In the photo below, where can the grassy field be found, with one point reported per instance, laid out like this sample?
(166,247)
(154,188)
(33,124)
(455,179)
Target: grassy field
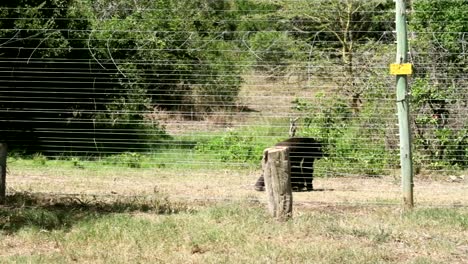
(125,215)
(186,206)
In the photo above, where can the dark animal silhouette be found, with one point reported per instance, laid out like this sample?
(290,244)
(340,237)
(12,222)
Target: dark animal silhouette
(302,154)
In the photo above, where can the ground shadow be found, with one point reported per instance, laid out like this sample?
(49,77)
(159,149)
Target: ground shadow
(315,190)
(323,190)
(52,212)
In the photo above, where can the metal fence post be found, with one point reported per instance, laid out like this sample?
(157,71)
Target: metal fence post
(403,104)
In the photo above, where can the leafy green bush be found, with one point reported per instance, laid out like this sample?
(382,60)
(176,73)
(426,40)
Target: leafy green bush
(272,50)
(439,95)
(137,54)
(355,143)
(232,147)
(440,133)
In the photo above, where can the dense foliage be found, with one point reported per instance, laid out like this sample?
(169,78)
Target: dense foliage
(439,90)
(95,70)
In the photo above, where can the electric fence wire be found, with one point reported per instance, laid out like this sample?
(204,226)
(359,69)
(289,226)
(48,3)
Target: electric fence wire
(150,88)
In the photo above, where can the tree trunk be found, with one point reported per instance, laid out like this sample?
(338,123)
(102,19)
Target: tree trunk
(3,161)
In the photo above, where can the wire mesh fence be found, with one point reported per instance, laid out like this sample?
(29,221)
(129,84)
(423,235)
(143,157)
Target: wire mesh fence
(138,97)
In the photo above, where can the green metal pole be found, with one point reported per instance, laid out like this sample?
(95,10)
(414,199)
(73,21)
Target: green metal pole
(406,158)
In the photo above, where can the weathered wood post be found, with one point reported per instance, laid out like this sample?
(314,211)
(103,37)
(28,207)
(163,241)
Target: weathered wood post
(3,161)
(276,171)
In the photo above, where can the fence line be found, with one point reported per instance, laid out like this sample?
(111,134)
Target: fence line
(209,86)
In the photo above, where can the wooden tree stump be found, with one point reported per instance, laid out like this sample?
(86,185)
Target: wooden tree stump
(3,161)
(276,172)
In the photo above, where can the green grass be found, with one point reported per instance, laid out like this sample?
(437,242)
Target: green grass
(41,230)
(153,228)
(241,147)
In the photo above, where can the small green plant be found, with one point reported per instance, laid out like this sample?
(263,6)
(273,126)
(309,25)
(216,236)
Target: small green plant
(39,159)
(128,159)
(132,159)
(78,163)
(232,146)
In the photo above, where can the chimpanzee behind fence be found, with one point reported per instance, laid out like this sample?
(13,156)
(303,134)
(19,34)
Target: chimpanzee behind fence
(302,154)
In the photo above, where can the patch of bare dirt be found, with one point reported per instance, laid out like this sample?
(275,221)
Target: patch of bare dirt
(14,246)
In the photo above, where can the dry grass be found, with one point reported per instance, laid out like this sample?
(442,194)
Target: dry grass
(13,245)
(214,216)
(59,214)
(260,101)
(214,184)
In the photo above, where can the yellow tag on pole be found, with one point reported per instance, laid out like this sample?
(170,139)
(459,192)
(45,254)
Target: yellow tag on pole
(401,69)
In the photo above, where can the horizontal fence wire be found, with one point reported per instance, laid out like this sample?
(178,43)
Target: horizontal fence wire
(133,90)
